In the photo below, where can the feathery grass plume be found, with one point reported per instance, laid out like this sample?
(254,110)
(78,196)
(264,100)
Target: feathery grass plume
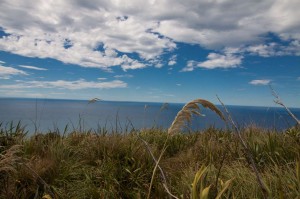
(185,114)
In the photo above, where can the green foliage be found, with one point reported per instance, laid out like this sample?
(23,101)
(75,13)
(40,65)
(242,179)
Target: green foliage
(103,165)
(201,189)
(198,188)
(11,134)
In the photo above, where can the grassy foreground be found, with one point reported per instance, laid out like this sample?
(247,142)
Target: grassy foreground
(100,165)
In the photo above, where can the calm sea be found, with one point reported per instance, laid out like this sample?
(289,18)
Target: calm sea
(49,114)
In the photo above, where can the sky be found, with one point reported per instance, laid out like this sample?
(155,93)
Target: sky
(151,50)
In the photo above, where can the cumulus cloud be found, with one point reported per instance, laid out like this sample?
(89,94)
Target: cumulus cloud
(76,54)
(224,23)
(172,60)
(32,67)
(221,61)
(264,50)
(6,72)
(190,66)
(62,84)
(231,57)
(98,33)
(131,64)
(271,49)
(260,82)
(73,33)
(215,60)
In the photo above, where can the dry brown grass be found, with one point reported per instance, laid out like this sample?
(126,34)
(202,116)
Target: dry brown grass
(9,159)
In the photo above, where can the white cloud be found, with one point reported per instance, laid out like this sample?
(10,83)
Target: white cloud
(215,60)
(172,60)
(62,84)
(97,33)
(293,48)
(225,23)
(190,66)
(264,50)
(123,76)
(260,82)
(102,78)
(131,64)
(272,49)
(20,93)
(221,61)
(78,54)
(7,72)
(73,32)
(158,65)
(32,67)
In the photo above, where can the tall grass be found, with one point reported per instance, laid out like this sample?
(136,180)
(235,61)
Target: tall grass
(96,164)
(91,165)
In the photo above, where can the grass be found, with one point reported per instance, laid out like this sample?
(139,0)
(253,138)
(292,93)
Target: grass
(95,165)
(151,163)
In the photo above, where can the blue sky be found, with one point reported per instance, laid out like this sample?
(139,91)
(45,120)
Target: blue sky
(152,51)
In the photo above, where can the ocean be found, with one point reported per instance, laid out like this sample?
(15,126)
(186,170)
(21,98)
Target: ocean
(44,115)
